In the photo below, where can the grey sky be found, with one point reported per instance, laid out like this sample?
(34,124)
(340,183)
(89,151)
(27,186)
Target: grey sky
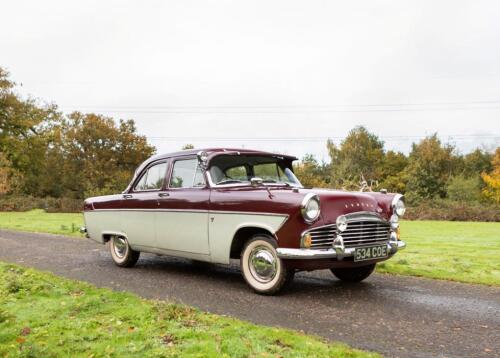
(302,70)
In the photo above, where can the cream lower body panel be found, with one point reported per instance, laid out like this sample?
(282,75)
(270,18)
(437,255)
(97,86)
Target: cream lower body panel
(98,223)
(205,236)
(223,226)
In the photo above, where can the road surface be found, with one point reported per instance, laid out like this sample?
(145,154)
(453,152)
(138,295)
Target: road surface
(394,315)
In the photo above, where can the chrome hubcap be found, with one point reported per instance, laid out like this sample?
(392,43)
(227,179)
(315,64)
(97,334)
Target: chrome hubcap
(262,264)
(120,246)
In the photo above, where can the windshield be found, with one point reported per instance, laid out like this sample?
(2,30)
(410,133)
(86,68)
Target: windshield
(235,169)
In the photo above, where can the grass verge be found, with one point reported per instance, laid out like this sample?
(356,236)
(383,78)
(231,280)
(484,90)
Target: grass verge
(40,221)
(450,250)
(42,315)
(458,251)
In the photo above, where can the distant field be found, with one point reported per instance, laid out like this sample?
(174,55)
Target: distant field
(458,251)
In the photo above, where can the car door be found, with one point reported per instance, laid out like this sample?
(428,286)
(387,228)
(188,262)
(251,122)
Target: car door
(139,205)
(182,218)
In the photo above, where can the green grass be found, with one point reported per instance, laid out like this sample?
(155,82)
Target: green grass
(42,315)
(459,251)
(40,221)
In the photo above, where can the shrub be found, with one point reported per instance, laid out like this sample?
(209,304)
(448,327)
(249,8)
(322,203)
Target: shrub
(464,189)
(453,211)
(26,203)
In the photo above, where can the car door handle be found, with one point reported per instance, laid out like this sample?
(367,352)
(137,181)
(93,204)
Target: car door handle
(127,196)
(163,195)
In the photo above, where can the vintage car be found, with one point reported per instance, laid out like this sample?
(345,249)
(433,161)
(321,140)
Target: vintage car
(219,204)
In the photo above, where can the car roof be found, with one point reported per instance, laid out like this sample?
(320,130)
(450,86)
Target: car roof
(215,151)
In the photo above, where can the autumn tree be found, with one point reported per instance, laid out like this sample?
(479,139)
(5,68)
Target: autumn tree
(311,173)
(492,180)
(25,133)
(99,156)
(429,168)
(358,157)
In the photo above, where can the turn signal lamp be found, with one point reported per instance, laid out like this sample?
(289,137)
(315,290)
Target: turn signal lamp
(306,241)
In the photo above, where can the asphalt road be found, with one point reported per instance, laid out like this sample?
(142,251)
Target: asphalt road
(396,316)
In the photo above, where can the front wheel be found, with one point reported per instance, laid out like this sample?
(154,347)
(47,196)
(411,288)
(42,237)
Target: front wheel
(121,252)
(353,274)
(261,267)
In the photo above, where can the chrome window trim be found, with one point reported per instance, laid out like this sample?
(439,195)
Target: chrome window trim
(171,172)
(135,181)
(245,184)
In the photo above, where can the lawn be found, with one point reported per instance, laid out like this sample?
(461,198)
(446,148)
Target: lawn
(40,221)
(42,315)
(459,251)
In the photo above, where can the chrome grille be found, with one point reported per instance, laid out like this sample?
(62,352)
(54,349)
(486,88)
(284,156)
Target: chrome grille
(358,233)
(363,233)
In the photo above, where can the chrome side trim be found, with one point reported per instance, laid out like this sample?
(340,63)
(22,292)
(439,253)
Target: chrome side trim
(198,211)
(286,253)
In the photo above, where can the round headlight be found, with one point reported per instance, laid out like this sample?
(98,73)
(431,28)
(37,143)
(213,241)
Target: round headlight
(341,223)
(398,205)
(310,207)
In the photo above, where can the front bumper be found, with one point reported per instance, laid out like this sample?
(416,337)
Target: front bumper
(332,253)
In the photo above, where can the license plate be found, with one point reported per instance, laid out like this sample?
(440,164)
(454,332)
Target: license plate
(370,253)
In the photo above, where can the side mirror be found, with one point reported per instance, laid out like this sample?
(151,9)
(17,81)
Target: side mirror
(256,181)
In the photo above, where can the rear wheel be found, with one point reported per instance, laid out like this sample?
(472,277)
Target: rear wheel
(353,274)
(261,267)
(121,252)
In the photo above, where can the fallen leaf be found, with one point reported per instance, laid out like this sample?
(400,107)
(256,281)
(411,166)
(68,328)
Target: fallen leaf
(130,329)
(25,331)
(487,350)
(20,340)
(167,340)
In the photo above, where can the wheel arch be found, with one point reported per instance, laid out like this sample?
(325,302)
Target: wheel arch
(107,235)
(245,233)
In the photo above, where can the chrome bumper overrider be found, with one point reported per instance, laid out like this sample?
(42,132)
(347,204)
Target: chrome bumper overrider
(285,253)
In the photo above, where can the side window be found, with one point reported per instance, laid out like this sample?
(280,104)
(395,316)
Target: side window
(237,173)
(187,174)
(152,179)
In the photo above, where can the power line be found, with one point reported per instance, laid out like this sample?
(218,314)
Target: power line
(313,139)
(270,109)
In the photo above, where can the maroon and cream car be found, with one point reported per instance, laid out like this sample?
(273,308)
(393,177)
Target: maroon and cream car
(220,204)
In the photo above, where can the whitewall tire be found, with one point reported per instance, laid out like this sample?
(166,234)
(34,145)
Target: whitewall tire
(261,267)
(122,253)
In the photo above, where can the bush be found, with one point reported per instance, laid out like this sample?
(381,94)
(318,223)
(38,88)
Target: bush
(464,189)
(453,211)
(53,205)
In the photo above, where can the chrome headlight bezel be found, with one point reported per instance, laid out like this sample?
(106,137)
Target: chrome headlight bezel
(309,213)
(398,205)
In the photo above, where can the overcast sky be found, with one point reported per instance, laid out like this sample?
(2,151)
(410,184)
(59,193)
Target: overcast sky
(294,72)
